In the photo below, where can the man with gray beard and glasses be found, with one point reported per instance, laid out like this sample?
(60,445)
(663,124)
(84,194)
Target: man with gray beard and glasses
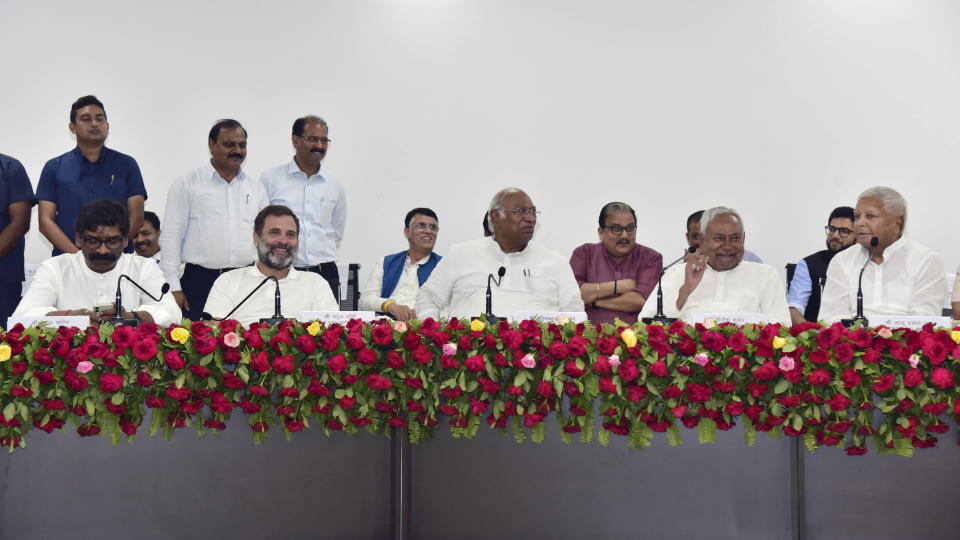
(275,232)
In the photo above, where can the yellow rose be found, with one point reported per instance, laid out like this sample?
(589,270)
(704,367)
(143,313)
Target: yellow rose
(955,336)
(779,342)
(629,338)
(314,328)
(180,335)
(477,325)
(4,352)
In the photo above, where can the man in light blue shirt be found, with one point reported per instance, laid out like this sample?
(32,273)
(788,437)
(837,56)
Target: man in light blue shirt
(811,271)
(316,197)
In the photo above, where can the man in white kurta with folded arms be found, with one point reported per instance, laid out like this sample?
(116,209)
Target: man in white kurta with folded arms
(275,232)
(76,283)
(716,279)
(535,278)
(901,277)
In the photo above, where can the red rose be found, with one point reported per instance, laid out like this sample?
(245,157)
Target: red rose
(737,342)
(449,410)
(545,389)
(734,408)
(828,337)
(912,377)
(21,391)
(199,371)
(935,351)
(838,402)
(178,394)
(766,371)
(305,344)
(937,408)
(512,339)
(75,356)
(757,390)
(699,392)
(290,391)
(843,352)
(123,336)
(347,403)
(383,334)
(377,382)
(941,377)
(558,350)
(571,369)
(260,361)
(452,393)
(737,363)
(144,349)
(413,382)
(672,391)
(819,356)
(110,382)
(448,362)
(155,402)
(658,369)
(422,355)
(337,364)
(283,364)
(367,356)
(173,360)
(789,401)
(725,387)
(394,360)
(628,370)
(42,356)
(205,344)
(606,385)
(232,381)
(819,377)
(475,363)
(850,378)
(713,341)
(883,383)
(636,392)
(89,430)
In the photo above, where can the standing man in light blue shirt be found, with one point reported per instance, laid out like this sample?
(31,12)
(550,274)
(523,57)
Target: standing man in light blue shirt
(315,196)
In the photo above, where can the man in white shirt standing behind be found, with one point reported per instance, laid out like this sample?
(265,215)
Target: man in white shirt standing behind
(395,282)
(315,196)
(716,279)
(76,283)
(275,232)
(209,216)
(534,278)
(900,276)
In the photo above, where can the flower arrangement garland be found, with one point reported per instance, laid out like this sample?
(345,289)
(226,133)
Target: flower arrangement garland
(828,385)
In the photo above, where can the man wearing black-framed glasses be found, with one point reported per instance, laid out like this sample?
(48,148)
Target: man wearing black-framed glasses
(811,272)
(85,283)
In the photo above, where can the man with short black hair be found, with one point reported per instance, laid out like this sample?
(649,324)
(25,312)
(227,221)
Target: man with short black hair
(210,212)
(76,283)
(146,241)
(16,200)
(393,285)
(535,278)
(811,272)
(89,172)
(317,197)
(617,274)
(275,236)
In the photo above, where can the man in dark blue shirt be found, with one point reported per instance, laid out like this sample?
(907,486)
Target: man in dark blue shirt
(89,172)
(16,200)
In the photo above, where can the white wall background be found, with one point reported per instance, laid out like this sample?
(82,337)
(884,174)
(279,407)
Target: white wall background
(782,110)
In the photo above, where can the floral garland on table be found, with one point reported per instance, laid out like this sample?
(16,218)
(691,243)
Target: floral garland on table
(829,385)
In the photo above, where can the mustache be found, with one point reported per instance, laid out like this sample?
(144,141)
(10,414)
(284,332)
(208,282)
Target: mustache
(105,257)
(238,156)
(319,150)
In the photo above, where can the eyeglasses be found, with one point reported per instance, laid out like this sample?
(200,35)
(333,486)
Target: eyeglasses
(92,242)
(521,211)
(421,226)
(616,229)
(842,231)
(315,140)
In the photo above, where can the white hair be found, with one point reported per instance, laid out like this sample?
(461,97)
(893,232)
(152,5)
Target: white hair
(890,198)
(712,213)
(496,203)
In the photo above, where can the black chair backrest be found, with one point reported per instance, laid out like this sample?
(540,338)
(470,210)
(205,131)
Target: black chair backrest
(352,299)
(791,268)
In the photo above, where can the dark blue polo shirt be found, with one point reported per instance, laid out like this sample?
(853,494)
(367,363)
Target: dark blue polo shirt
(71,181)
(14,187)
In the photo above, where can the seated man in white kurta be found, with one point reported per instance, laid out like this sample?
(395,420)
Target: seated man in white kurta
(716,279)
(535,278)
(394,283)
(901,277)
(74,283)
(275,232)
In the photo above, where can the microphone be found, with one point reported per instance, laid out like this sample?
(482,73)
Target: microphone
(859,318)
(118,319)
(490,316)
(277,317)
(660,317)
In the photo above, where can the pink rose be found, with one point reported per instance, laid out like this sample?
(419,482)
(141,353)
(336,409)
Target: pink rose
(786,363)
(701,358)
(914,360)
(614,360)
(884,332)
(231,339)
(528,361)
(84,366)
(449,349)
(400,326)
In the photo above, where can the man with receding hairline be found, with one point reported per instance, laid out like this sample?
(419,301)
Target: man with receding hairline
(535,278)
(900,276)
(209,216)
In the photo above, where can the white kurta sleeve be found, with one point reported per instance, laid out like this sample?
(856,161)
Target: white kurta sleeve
(370,295)
(436,293)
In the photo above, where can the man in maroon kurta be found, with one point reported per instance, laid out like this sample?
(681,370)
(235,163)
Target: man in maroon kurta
(617,274)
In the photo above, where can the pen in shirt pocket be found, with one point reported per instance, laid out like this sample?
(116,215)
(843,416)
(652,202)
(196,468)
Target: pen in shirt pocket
(111,179)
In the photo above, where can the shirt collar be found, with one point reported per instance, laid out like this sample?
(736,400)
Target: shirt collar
(80,156)
(893,248)
(294,169)
(214,175)
(254,272)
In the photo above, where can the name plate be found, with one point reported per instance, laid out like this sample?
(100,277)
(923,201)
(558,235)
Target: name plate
(52,321)
(739,319)
(341,317)
(559,317)
(914,322)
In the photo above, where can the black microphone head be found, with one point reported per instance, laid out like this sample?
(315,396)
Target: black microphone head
(501,271)
(874,241)
(692,249)
(165,289)
(206,316)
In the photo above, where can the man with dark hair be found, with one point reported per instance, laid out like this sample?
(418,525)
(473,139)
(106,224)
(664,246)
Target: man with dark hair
(394,283)
(617,274)
(811,272)
(210,213)
(146,241)
(80,283)
(89,172)
(275,236)
(693,237)
(16,200)
(316,196)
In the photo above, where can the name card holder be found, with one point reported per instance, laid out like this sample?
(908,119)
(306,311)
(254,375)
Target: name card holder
(52,321)
(341,317)
(914,322)
(548,316)
(739,319)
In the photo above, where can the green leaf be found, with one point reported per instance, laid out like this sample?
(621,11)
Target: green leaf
(781,387)
(673,435)
(520,378)
(10,410)
(707,430)
(90,406)
(117,398)
(339,393)
(180,380)
(287,381)
(243,374)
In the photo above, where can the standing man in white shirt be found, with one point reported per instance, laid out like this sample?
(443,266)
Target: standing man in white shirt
(900,276)
(209,216)
(717,279)
(395,282)
(534,278)
(275,234)
(315,196)
(76,283)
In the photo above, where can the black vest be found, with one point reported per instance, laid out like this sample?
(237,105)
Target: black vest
(817,266)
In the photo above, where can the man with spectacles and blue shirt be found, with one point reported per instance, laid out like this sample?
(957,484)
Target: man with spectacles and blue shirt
(616,275)
(393,286)
(534,278)
(317,198)
(85,283)
(811,272)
